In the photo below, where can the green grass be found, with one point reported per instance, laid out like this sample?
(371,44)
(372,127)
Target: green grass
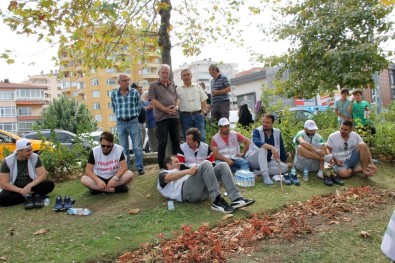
(111,231)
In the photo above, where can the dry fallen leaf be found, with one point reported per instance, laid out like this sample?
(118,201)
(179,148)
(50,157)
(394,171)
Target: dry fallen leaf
(4,258)
(134,211)
(333,222)
(364,234)
(42,231)
(148,195)
(347,219)
(118,238)
(227,216)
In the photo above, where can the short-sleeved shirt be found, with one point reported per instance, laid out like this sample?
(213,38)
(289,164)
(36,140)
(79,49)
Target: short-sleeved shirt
(127,106)
(358,112)
(166,95)
(22,178)
(342,107)
(219,83)
(240,138)
(316,139)
(341,149)
(191,97)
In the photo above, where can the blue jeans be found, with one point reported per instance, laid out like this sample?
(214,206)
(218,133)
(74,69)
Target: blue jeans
(126,128)
(349,163)
(193,121)
(238,164)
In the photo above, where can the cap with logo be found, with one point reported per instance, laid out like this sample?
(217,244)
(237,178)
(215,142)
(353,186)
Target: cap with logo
(223,122)
(310,125)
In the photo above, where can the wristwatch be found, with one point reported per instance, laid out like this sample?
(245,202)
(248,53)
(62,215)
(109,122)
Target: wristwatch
(116,178)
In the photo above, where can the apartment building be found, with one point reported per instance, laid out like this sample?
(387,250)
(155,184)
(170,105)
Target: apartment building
(94,87)
(50,80)
(21,106)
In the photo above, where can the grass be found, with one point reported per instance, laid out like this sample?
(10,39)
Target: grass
(111,231)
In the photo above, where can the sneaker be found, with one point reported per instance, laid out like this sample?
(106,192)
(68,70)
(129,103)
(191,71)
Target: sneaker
(328,158)
(67,203)
(320,174)
(58,204)
(295,180)
(29,203)
(337,180)
(38,201)
(267,180)
(222,206)
(328,181)
(287,179)
(242,202)
(141,171)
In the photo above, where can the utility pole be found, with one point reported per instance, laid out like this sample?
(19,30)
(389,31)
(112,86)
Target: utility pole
(377,98)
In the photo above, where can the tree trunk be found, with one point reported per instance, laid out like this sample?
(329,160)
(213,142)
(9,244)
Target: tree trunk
(164,37)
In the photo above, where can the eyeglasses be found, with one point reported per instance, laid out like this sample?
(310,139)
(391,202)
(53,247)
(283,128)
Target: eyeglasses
(106,146)
(345,146)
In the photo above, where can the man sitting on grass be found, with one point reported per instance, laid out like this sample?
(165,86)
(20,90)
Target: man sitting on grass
(107,171)
(23,178)
(197,184)
(348,151)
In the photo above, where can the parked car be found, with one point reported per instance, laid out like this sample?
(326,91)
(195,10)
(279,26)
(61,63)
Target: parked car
(66,138)
(299,114)
(94,137)
(8,140)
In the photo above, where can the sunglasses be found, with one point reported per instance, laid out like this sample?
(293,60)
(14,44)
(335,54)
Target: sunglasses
(345,146)
(106,146)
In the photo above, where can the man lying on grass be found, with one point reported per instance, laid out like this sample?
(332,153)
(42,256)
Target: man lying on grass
(198,184)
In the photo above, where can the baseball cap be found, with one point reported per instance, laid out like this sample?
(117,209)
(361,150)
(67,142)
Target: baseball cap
(310,125)
(22,143)
(223,122)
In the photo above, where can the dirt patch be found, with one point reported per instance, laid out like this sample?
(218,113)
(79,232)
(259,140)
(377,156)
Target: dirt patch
(240,237)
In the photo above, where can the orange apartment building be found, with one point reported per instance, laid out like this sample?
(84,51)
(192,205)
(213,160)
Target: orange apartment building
(94,87)
(21,106)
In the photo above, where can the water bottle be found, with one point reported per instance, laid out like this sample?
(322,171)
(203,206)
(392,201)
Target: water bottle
(46,201)
(253,179)
(170,205)
(293,170)
(305,174)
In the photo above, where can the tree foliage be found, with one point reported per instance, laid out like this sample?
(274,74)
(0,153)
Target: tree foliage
(67,114)
(333,42)
(101,32)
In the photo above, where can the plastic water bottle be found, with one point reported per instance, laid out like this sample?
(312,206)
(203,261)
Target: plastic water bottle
(170,205)
(293,170)
(46,201)
(305,174)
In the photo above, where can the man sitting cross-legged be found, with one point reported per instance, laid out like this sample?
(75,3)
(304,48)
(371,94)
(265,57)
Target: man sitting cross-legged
(107,171)
(198,184)
(348,151)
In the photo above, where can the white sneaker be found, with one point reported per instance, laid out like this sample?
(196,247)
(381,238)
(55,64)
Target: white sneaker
(328,158)
(320,174)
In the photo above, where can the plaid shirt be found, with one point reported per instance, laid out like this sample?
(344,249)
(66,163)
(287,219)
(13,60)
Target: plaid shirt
(128,106)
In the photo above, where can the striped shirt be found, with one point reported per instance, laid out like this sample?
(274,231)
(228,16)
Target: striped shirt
(128,106)
(220,83)
(166,95)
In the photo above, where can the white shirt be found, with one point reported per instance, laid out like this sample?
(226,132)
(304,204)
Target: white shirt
(191,97)
(340,150)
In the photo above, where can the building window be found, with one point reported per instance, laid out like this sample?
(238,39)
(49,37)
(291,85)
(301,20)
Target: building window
(7,111)
(95,94)
(111,81)
(80,85)
(95,82)
(109,105)
(30,94)
(24,111)
(6,95)
(112,117)
(25,126)
(109,92)
(10,127)
(113,129)
(98,117)
(96,106)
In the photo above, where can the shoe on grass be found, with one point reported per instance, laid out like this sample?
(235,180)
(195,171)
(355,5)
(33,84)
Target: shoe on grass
(38,202)
(29,202)
(267,180)
(67,203)
(295,180)
(287,179)
(58,204)
(222,206)
(337,180)
(241,202)
(328,181)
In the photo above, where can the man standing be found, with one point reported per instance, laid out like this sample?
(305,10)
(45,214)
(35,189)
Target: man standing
(268,152)
(310,151)
(193,106)
(360,110)
(143,113)
(23,178)
(197,184)
(226,146)
(348,151)
(341,107)
(126,105)
(107,171)
(163,96)
(220,88)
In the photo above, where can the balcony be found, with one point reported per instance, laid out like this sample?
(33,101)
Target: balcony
(28,118)
(31,102)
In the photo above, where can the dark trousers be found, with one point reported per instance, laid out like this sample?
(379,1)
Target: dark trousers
(8,198)
(163,129)
(220,110)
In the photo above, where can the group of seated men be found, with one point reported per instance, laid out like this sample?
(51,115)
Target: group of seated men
(194,174)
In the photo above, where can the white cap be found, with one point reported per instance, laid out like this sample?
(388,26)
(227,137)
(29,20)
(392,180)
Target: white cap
(23,143)
(310,125)
(223,122)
